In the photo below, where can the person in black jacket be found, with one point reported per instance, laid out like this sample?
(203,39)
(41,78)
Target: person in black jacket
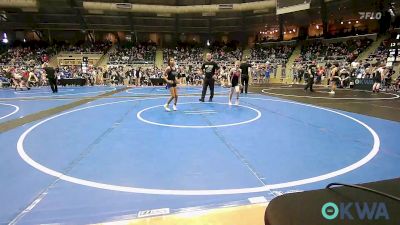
(209,69)
(51,76)
(310,74)
(138,76)
(246,71)
(300,73)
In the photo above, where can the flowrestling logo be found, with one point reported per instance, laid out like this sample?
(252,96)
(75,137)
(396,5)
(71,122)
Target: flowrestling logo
(355,210)
(370,15)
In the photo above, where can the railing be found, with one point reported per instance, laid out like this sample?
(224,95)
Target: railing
(143,65)
(81,53)
(88,54)
(277,43)
(340,39)
(270,60)
(145,62)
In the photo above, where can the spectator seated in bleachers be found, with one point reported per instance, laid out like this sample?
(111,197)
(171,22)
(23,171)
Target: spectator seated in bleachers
(100,47)
(226,53)
(4,78)
(134,54)
(272,54)
(184,54)
(381,52)
(346,51)
(27,54)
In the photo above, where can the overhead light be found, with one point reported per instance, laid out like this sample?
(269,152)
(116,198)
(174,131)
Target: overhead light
(317,27)
(294,30)
(349,22)
(276,30)
(357,21)
(341,22)
(24,40)
(290,32)
(208,42)
(284,32)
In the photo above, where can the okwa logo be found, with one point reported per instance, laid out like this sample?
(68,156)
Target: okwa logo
(364,81)
(355,210)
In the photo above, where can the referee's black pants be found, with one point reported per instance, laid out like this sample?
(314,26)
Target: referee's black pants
(309,85)
(53,85)
(208,82)
(245,83)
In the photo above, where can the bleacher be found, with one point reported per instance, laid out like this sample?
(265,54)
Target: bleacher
(27,54)
(341,51)
(276,54)
(133,54)
(184,54)
(226,53)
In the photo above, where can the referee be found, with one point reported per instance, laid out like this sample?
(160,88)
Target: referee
(310,78)
(245,67)
(50,74)
(209,69)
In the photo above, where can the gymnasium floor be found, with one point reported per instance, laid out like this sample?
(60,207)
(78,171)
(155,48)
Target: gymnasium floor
(98,154)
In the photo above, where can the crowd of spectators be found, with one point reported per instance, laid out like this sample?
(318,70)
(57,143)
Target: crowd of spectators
(100,47)
(184,54)
(226,53)
(133,54)
(347,72)
(339,51)
(9,75)
(27,54)
(381,52)
(134,63)
(273,54)
(148,76)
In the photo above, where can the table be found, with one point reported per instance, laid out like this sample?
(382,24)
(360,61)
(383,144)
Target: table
(72,81)
(363,83)
(157,81)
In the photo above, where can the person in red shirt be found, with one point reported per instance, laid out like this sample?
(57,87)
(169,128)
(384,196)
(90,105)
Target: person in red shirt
(320,73)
